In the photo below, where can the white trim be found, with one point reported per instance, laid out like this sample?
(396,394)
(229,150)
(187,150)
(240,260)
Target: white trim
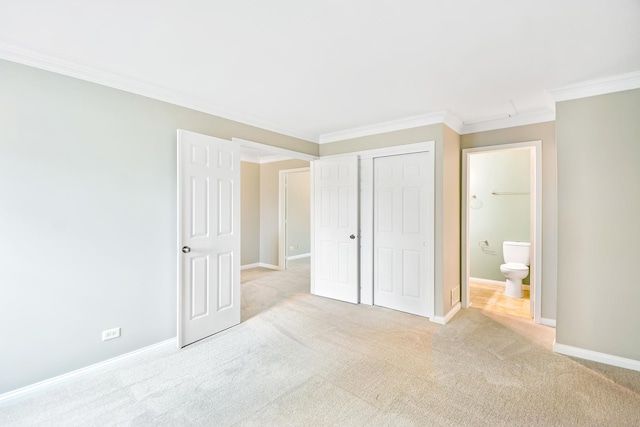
(249,266)
(444,320)
(536,212)
(607,359)
(496,282)
(283,152)
(269,266)
(393,125)
(523,120)
(10,51)
(596,87)
(80,373)
(548,322)
(292,257)
(262,160)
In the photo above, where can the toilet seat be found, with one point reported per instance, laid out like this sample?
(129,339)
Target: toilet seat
(515,266)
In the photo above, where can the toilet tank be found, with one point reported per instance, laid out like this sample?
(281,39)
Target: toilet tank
(516,252)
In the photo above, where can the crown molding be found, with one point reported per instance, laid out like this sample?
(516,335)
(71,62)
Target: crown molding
(73,68)
(596,87)
(390,126)
(262,160)
(509,122)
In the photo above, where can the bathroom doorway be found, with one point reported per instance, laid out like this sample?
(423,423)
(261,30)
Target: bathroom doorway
(501,202)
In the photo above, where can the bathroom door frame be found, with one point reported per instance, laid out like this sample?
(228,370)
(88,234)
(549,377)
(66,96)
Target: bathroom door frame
(535,223)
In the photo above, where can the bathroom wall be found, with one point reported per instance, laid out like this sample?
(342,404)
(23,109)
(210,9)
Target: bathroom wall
(496,218)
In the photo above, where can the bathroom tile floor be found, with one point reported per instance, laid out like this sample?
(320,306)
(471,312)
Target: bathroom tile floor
(491,298)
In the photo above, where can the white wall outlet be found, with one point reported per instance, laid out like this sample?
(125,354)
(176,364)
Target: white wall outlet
(455,295)
(110,334)
(290,248)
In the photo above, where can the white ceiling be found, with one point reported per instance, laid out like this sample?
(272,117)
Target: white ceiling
(313,67)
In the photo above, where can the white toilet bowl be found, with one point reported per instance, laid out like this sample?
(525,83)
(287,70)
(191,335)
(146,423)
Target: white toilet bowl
(516,267)
(514,273)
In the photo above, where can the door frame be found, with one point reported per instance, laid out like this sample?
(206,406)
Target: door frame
(282,227)
(535,225)
(367,216)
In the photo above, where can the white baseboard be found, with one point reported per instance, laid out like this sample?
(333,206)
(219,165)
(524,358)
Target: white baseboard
(248,266)
(289,258)
(607,359)
(79,373)
(444,320)
(495,282)
(488,281)
(259,264)
(548,322)
(271,266)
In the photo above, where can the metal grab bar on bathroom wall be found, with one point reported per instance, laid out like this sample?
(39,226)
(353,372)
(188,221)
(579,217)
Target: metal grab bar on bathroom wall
(509,193)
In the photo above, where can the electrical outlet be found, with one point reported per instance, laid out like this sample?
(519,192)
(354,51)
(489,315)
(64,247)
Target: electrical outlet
(290,248)
(455,295)
(110,334)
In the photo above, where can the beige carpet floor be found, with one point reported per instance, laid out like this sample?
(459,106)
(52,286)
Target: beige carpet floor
(301,360)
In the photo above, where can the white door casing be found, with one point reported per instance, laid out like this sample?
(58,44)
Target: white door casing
(335,228)
(403,233)
(208,236)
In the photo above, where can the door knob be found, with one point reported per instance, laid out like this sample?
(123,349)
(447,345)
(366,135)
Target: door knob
(352,237)
(186,249)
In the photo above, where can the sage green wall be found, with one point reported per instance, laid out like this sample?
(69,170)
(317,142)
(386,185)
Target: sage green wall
(497,218)
(599,229)
(447,196)
(88,219)
(545,132)
(250,213)
(269,199)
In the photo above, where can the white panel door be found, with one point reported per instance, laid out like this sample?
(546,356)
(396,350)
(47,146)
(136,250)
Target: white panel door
(208,236)
(403,233)
(335,247)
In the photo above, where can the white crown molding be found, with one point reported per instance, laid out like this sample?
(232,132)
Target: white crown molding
(262,160)
(12,52)
(607,359)
(509,122)
(453,122)
(384,127)
(281,153)
(596,87)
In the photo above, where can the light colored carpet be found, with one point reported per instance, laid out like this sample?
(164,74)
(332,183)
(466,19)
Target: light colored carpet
(303,360)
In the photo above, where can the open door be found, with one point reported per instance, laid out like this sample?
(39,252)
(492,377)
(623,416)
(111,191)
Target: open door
(208,236)
(335,226)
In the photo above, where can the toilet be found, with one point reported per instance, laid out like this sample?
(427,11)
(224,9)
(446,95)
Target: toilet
(516,267)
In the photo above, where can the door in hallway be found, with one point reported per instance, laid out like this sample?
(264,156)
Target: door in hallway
(208,236)
(403,232)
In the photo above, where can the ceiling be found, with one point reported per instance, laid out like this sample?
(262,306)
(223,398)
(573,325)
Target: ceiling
(311,68)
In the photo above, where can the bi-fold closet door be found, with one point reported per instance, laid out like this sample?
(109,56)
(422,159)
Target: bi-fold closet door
(374,242)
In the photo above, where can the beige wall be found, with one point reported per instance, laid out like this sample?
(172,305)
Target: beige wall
(269,196)
(88,229)
(250,212)
(298,213)
(447,196)
(546,133)
(599,226)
